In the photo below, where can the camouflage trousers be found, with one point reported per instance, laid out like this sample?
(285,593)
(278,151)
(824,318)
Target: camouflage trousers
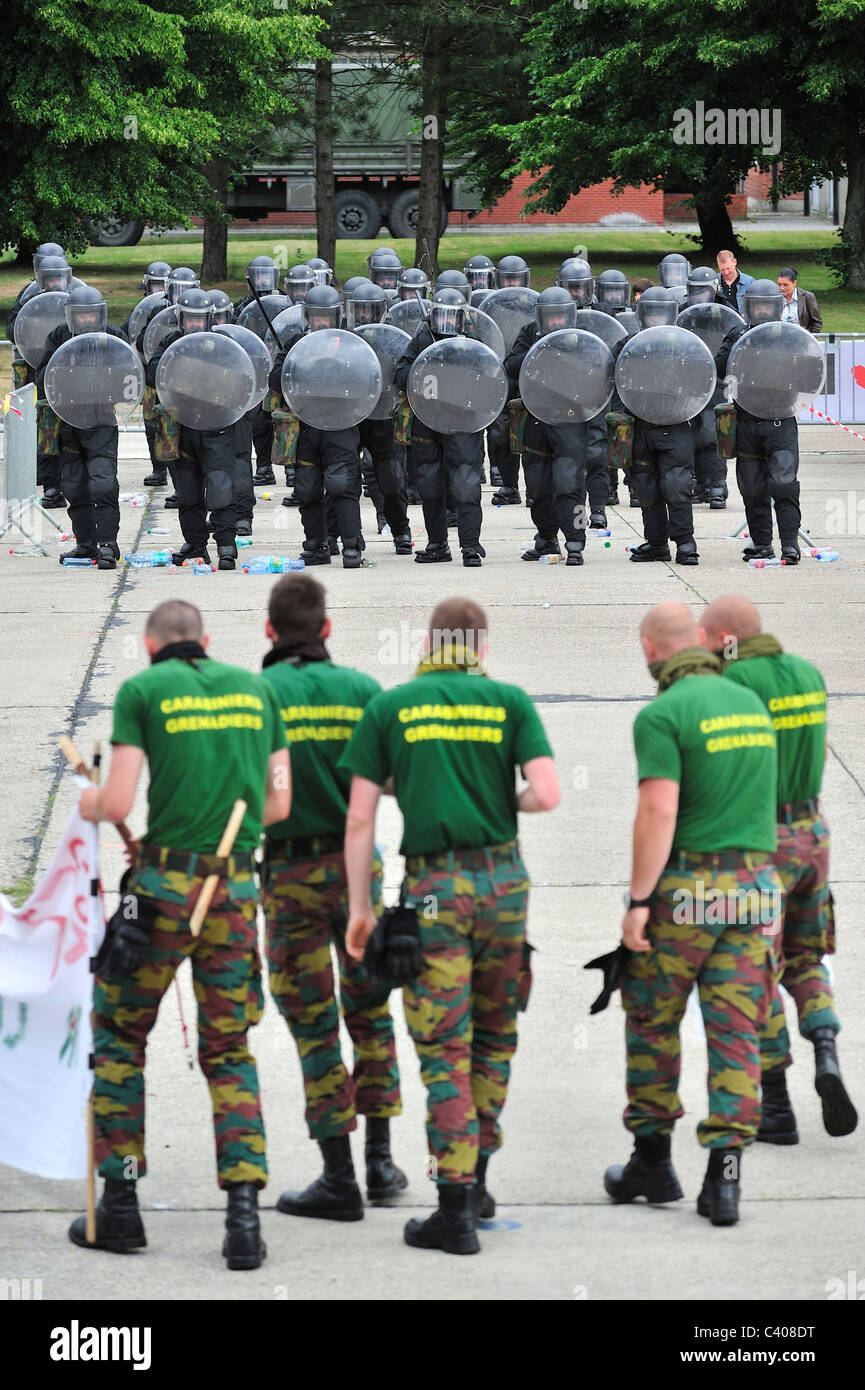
(731,961)
(462,1010)
(226,975)
(802,860)
(305,907)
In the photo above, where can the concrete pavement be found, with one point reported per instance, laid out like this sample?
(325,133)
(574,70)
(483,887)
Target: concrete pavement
(71,637)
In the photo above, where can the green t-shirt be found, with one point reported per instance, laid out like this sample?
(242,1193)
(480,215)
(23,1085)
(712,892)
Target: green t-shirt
(208,735)
(451,741)
(715,739)
(794,694)
(321,706)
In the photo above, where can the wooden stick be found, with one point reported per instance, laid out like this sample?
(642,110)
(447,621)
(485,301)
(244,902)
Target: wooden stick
(90,1221)
(75,760)
(208,889)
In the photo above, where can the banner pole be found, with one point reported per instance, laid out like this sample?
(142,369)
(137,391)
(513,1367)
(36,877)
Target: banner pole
(90,1227)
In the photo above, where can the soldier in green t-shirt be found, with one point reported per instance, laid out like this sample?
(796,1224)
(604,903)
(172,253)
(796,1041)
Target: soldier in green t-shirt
(211,735)
(450,740)
(305,906)
(702,908)
(794,694)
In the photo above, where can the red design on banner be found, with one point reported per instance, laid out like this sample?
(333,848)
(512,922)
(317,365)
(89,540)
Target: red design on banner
(859,375)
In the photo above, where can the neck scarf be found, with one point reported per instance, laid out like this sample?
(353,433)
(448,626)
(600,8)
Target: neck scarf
(764,644)
(180,651)
(690,661)
(452,658)
(297,651)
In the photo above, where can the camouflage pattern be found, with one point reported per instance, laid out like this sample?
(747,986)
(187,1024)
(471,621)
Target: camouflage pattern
(517,415)
(226,974)
(732,964)
(725,429)
(47,430)
(22,372)
(462,1009)
(272,401)
(166,445)
(802,861)
(620,441)
(305,908)
(402,419)
(149,401)
(286,432)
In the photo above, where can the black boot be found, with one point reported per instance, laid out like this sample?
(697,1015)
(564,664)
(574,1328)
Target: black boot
(403,543)
(244,526)
(839,1112)
(435,554)
(118,1221)
(791,554)
(644,552)
(452,1227)
(648,1173)
(335,1196)
(719,1195)
(352,557)
(171,503)
(79,552)
(190,552)
(383,1179)
(263,476)
(227,556)
(484,1201)
(717,499)
(291,500)
(105,558)
(541,547)
(598,520)
(315,553)
(52,499)
(158,478)
(777,1123)
(575,552)
(686,553)
(243,1247)
(758,552)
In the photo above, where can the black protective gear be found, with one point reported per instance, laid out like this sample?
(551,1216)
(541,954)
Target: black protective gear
(777,1120)
(86,311)
(480,272)
(448,312)
(388,465)
(512,270)
(118,1220)
(181,278)
(455,280)
(47,248)
(657,306)
(612,291)
(335,1196)
(575,275)
(88,470)
(194,311)
(555,309)
(321,270)
(243,1247)
(262,274)
(661,480)
(452,1227)
(53,274)
(413,282)
(702,285)
(322,308)
(764,303)
(648,1173)
(299,280)
(204,478)
(719,1195)
(365,304)
(384,267)
(327,462)
(767,468)
(384,1180)
(223,311)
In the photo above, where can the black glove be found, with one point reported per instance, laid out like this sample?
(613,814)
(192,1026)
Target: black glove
(613,965)
(127,935)
(373,956)
(393,955)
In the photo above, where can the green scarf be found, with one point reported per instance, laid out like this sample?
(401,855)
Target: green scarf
(690,661)
(764,644)
(452,658)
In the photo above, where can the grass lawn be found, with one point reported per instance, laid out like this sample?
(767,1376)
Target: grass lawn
(116,271)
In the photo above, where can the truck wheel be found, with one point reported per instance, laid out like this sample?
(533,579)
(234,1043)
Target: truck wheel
(403,215)
(116,231)
(356,215)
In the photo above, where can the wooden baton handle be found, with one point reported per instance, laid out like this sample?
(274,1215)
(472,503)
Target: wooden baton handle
(75,760)
(226,844)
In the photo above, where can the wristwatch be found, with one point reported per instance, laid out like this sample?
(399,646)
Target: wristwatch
(636,902)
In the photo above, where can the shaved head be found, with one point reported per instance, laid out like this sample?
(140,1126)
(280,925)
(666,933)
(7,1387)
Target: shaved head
(669,628)
(731,615)
(174,621)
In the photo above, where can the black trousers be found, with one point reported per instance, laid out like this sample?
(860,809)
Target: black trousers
(48,472)
(327,462)
(661,479)
(244,492)
(388,462)
(88,476)
(597,480)
(767,471)
(262,435)
(554,464)
(204,479)
(710,468)
(499,450)
(449,466)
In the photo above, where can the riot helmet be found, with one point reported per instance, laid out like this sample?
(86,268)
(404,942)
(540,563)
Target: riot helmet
(155,278)
(384,267)
(575,275)
(222,307)
(53,274)
(702,285)
(555,309)
(321,308)
(262,274)
(480,272)
(764,303)
(194,311)
(48,248)
(657,306)
(447,313)
(612,291)
(299,280)
(321,270)
(512,270)
(86,311)
(673,272)
(367,303)
(455,280)
(182,278)
(413,282)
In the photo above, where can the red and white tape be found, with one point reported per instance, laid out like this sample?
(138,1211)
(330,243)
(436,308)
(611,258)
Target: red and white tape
(830,421)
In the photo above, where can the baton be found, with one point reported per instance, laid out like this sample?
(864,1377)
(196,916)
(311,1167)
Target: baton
(257,297)
(75,760)
(238,811)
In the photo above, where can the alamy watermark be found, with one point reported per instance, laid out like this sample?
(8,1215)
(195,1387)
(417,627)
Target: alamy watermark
(736,126)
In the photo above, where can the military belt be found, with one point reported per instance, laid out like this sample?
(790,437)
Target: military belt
(790,811)
(685,860)
(452,859)
(303,847)
(194,865)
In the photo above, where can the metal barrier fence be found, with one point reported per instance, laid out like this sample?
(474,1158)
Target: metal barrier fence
(19,506)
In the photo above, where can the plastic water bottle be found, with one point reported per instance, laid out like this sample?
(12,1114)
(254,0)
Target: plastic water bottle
(158,531)
(241,541)
(147,559)
(77,562)
(766,564)
(368,564)
(550,559)
(201,568)
(386,533)
(259,564)
(825,555)
(596,531)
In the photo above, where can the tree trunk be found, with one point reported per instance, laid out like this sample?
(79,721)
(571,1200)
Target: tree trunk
(853,231)
(716,228)
(324,186)
(24,254)
(214,256)
(434,116)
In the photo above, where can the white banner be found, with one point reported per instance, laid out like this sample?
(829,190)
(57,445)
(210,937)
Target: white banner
(45,1000)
